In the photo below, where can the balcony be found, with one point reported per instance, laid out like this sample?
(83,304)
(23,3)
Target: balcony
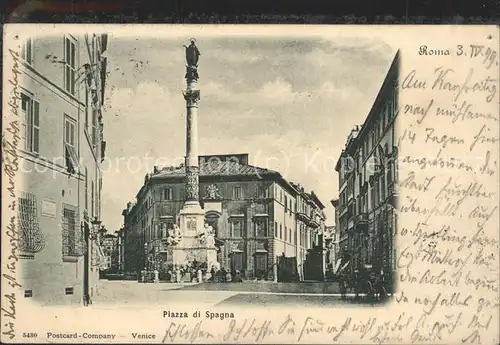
(362,218)
(303,216)
(314,223)
(393,189)
(362,222)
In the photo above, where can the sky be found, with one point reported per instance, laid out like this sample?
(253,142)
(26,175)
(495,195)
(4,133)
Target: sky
(289,102)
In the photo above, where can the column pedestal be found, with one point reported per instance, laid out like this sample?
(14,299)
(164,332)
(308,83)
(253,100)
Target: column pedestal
(190,248)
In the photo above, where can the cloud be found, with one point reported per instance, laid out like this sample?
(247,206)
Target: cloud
(273,93)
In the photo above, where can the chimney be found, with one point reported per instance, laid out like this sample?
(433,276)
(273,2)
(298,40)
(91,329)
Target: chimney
(244,159)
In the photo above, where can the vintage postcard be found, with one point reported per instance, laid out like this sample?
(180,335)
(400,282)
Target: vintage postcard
(250,184)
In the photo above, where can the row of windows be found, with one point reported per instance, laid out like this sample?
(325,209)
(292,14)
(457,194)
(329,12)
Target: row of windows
(377,130)
(285,199)
(237,227)
(237,193)
(289,204)
(378,190)
(31,131)
(388,112)
(285,234)
(69,62)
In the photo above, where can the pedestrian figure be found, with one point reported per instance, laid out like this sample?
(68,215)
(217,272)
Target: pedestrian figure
(223,274)
(212,272)
(178,274)
(237,277)
(356,282)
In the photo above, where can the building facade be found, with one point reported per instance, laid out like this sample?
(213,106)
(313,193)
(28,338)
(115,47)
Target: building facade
(59,201)
(253,211)
(110,246)
(120,245)
(330,248)
(340,232)
(368,176)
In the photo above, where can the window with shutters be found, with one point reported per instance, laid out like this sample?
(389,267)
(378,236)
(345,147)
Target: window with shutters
(260,225)
(70,144)
(27,51)
(237,228)
(31,122)
(261,192)
(167,193)
(237,193)
(69,64)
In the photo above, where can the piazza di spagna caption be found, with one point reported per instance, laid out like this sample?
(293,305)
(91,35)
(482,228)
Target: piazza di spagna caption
(197,314)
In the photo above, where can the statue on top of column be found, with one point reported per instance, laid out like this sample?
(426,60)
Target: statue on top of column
(192,57)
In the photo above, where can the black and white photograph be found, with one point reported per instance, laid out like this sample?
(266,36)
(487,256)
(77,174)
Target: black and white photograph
(221,169)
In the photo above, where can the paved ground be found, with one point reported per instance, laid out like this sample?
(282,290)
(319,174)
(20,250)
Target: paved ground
(264,286)
(130,294)
(276,300)
(133,294)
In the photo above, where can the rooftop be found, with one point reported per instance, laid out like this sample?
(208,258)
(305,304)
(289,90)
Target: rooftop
(217,165)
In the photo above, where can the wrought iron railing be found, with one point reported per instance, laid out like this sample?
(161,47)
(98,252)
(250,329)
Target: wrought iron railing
(73,239)
(362,218)
(31,239)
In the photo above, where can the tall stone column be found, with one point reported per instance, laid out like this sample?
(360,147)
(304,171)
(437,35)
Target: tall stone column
(192,231)
(192,96)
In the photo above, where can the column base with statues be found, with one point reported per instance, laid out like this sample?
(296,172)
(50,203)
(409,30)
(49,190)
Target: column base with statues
(191,246)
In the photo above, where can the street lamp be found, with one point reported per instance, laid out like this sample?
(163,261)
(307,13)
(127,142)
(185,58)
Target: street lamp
(96,227)
(89,235)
